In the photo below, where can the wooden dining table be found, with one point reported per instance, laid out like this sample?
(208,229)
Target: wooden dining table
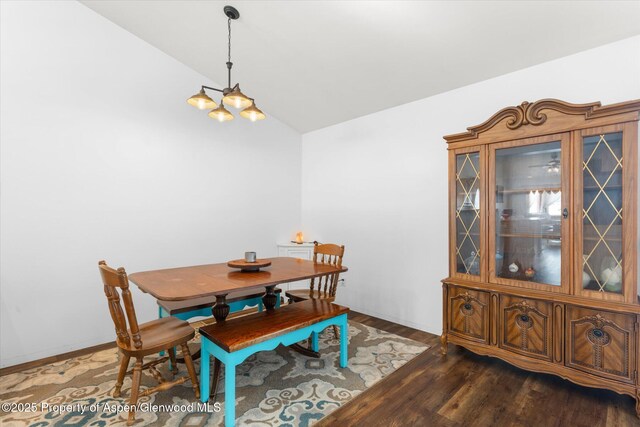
(220,280)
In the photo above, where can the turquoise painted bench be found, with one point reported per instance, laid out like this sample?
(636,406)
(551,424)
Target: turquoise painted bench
(232,341)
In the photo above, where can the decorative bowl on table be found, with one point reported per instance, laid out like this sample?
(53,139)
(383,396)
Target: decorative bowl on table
(244,265)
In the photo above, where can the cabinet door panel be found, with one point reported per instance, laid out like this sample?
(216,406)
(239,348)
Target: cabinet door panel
(469,314)
(601,342)
(467,221)
(605,199)
(529,231)
(526,326)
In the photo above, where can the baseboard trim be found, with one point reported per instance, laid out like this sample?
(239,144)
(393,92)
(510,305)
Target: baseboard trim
(53,359)
(8,370)
(394,319)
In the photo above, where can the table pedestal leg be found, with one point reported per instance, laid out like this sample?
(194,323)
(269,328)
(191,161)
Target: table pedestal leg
(270,298)
(305,351)
(220,312)
(221,309)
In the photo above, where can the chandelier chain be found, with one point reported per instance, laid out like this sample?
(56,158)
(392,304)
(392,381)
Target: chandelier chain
(229,27)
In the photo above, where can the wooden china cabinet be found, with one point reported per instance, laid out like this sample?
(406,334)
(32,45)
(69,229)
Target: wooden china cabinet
(543,220)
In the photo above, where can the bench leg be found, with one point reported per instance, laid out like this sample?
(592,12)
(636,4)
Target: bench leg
(173,366)
(160,316)
(181,360)
(204,373)
(315,344)
(216,380)
(229,395)
(343,342)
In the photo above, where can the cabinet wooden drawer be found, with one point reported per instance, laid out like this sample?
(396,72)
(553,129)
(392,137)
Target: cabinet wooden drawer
(601,343)
(469,314)
(525,326)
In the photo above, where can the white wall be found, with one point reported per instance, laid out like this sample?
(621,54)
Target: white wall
(101,158)
(378,184)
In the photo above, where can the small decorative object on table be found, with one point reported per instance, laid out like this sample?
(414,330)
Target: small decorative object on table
(243,265)
(249,263)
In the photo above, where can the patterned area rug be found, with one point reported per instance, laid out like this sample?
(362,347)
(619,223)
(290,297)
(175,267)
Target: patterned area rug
(279,387)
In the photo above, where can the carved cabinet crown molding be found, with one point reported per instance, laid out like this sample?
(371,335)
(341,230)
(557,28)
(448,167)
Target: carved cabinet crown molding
(533,114)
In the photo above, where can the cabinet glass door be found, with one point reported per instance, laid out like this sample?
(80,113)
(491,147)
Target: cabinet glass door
(602,213)
(467,210)
(605,198)
(529,211)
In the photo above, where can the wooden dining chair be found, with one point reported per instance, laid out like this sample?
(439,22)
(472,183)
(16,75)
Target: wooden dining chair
(322,288)
(138,341)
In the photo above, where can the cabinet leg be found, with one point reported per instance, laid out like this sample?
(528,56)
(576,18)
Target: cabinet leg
(638,403)
(443,344)
(445,315)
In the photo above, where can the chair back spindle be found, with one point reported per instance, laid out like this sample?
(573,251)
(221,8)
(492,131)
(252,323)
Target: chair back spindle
(112,280)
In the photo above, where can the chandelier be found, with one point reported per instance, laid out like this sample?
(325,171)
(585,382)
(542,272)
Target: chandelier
(231,96)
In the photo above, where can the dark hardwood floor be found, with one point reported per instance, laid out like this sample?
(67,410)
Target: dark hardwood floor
(464,389)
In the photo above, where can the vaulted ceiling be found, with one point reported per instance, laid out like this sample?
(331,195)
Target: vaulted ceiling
(313,64)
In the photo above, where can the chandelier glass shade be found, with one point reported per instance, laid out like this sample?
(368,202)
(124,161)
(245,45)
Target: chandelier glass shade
(231,95)
(252,113)
(236,99)
(202,101)
(221,114)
